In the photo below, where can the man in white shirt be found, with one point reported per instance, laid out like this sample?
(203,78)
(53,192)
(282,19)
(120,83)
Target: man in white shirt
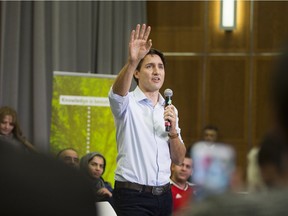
(145,148)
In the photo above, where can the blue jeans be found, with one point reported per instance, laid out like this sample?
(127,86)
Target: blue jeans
(129,202)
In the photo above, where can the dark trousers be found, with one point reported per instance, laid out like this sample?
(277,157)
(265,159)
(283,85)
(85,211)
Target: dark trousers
(129,202)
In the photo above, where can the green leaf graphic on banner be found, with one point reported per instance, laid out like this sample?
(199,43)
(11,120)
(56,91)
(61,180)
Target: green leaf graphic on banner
(81,116)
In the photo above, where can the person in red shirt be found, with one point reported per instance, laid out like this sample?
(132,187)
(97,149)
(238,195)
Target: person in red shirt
(182,189)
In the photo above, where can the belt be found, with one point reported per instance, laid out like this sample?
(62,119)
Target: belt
(155,190)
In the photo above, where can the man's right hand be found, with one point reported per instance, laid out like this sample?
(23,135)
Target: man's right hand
(139,44)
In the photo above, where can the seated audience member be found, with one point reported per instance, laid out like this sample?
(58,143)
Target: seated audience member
(209,136)
(210,133)
(35,184)
(273,161)
(182,189)
(93,165)
(69,156)
(11,132)
(254,178)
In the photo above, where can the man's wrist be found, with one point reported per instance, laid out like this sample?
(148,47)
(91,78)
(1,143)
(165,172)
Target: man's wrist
(173,135)
(133,63)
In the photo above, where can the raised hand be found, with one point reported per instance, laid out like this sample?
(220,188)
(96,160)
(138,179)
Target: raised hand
(139,44)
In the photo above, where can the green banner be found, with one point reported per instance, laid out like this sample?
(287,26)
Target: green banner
(82,118)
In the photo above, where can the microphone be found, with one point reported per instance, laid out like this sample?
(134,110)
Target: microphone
(168,100)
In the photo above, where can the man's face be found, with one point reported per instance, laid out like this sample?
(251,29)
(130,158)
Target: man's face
(70,158)
(181,173)
(210,135)
(152,73)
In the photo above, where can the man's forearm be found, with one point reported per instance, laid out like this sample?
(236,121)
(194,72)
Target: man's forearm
(123,81)
(178,150)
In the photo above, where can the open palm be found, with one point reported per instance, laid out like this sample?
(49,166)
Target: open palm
(139,44)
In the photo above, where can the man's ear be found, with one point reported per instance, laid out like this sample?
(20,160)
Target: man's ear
(136,74)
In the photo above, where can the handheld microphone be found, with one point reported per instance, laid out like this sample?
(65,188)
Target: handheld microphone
(168,100)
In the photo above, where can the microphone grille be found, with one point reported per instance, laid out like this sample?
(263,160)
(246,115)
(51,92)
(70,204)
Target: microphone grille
(168,93)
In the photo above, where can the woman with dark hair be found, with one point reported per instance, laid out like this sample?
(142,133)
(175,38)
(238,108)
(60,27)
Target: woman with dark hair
(11,132)
(93,165)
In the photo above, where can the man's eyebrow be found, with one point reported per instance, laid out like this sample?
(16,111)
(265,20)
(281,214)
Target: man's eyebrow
(150,63)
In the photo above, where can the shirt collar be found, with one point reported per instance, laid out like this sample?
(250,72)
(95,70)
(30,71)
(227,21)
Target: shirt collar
(139,95)
(176,185)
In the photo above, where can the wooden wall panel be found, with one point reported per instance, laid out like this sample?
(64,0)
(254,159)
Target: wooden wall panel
(237,40)
(227,95)
(270,27)
(183,76)
(220,77)
(227,100)
(262,113)
(177,26)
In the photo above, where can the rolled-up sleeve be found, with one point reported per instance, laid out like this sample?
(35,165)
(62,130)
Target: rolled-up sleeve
(118,103)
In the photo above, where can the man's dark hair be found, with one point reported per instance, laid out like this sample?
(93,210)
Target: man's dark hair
(210,127)
(62,150)
(152,51)
(273,151)
(47,187)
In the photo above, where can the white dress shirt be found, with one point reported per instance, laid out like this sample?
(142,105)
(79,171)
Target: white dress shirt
(142,142)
